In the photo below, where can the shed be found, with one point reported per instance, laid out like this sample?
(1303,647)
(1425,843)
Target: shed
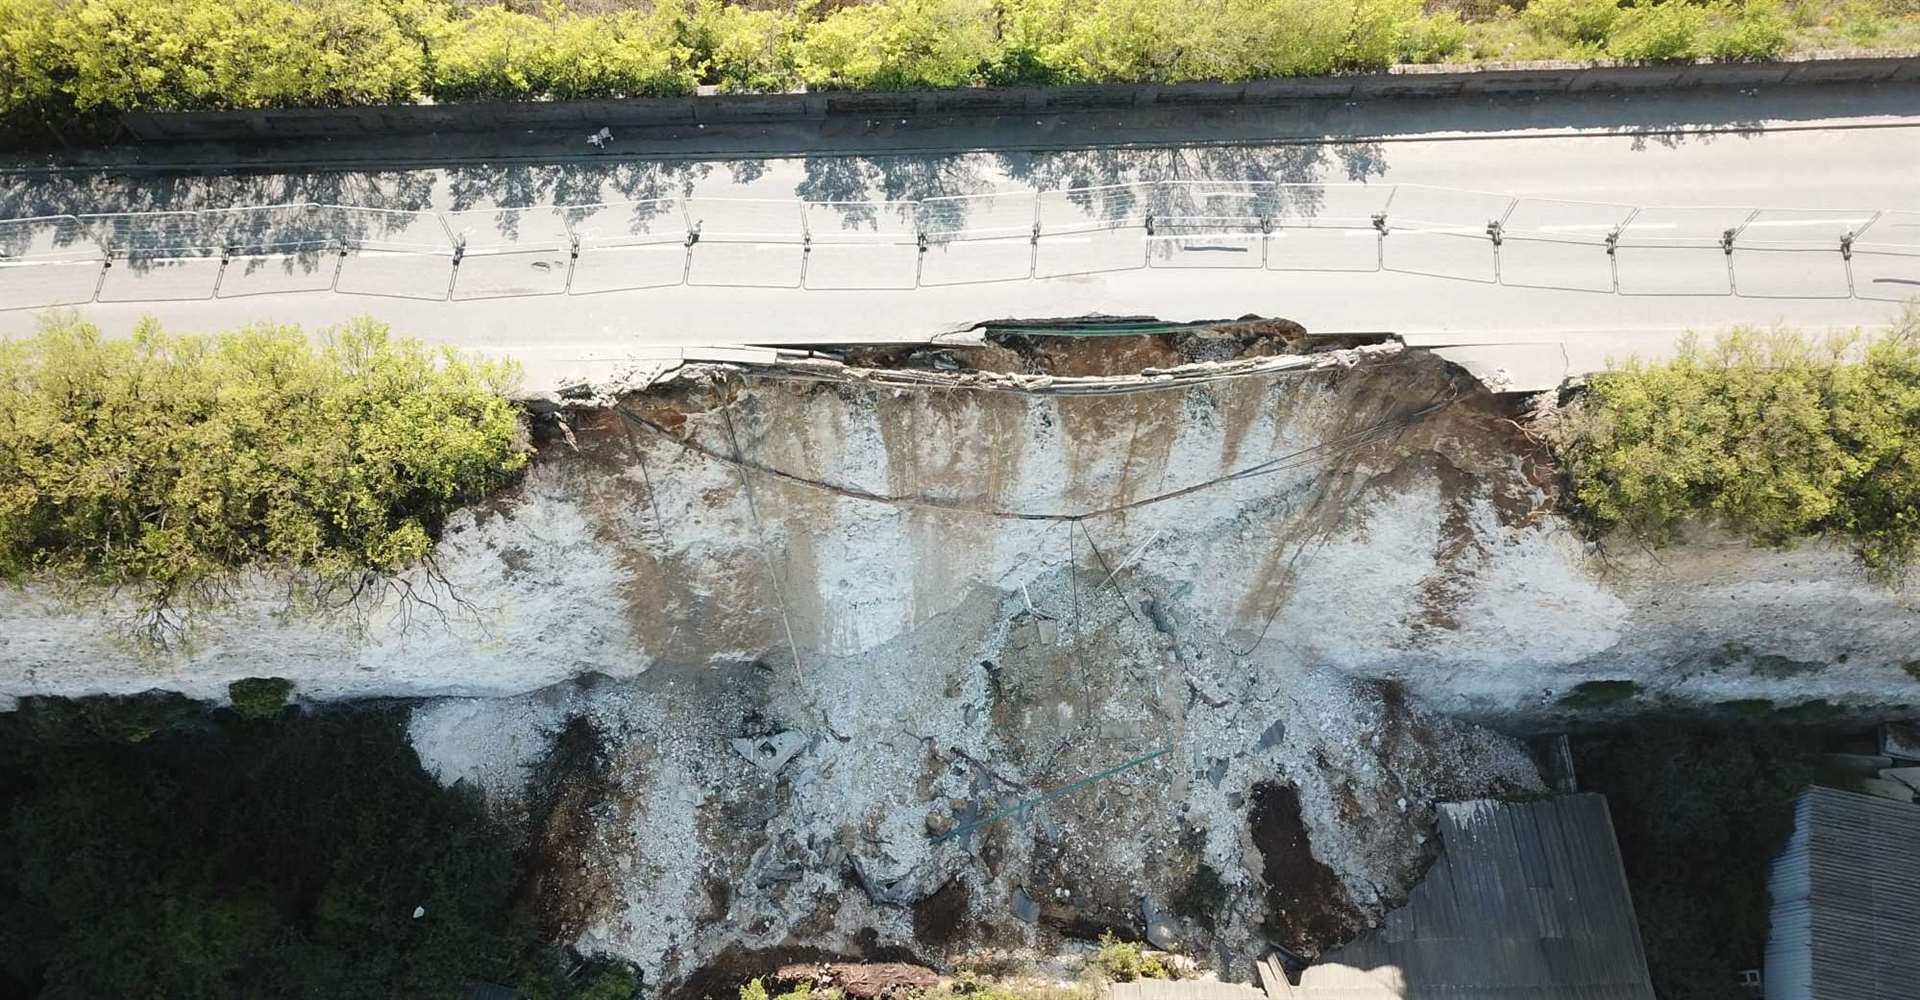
(1528,901)
(1846,901)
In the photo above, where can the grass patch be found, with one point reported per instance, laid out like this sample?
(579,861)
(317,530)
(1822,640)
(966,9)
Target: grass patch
(160,464)
(1599,694)
(1775,435)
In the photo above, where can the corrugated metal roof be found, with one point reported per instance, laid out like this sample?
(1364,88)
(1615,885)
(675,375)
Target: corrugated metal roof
(1846,901)
(1527,902)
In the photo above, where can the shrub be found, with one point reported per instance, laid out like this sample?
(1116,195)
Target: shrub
(259,698)
(134,55)
(1433,38)
(1655,30)
(1759,29)
(1125,961)
(1599,694)
(899,45)
(1588,21)
(498,53)
(1773,435)
(161,462)
(743,50)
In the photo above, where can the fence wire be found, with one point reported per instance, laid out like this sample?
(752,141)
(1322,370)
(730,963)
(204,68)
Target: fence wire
(602,247)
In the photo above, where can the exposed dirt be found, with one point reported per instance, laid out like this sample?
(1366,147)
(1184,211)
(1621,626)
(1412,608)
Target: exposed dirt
(1307,908)
(937,918)
(566,795)
(860,980)
(722,977)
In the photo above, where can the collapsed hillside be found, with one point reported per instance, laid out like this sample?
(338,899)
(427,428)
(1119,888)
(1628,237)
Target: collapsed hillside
(975,648)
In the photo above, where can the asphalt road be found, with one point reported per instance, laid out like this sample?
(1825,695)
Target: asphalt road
(1127,226)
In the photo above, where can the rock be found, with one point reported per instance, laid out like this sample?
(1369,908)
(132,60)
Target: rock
(771,753)
(1897,791)
(1024,908)
(939,824)
(1163,928)
(1908,776)
(1274,734)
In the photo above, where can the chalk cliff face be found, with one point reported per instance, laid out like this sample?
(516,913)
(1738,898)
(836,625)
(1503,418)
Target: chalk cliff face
(1365,510)
(945,659)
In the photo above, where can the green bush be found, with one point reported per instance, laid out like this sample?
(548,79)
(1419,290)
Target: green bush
(1760,29)
(70,59)
(1771,434)
(1125,961)
(898,45)
(738,49)
(497,53)
(259,698)
(162,462)
(1434,38)
(1588,21)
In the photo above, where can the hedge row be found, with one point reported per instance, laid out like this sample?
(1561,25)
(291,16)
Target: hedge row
(161,462)
(1774,435)
(61,59)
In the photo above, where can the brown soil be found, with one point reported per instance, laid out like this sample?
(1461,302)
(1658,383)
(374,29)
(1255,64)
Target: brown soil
(860,980)
(560,885)
(937,918)
(721,978)
(1307,907)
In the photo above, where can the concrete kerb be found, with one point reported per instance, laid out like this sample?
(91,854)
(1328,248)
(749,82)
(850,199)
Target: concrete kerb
(1400,81)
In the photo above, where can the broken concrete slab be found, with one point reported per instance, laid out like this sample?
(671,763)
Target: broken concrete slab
(1864,764)
(1908,776)
(1901,739)
(771,753)
(1885,789)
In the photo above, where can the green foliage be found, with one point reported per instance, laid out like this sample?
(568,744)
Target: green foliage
(969,985)
(1588,21)
(163,462)
(63,59)
(757,990)
(1759,29)
(497,53)
(241,860)
(1599,694)
(1700,812)
(259,698)
(1125,961)
(99,718)
(614,983)
(1774,435)
(1654,30)
(898,45)
(740,49)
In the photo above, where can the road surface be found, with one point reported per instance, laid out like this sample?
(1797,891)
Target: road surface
(1344,219)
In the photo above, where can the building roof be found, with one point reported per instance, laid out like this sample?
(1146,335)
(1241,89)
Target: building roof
(1527,902)
(1846,901)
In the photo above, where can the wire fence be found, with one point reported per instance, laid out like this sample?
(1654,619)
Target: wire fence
(604,247)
